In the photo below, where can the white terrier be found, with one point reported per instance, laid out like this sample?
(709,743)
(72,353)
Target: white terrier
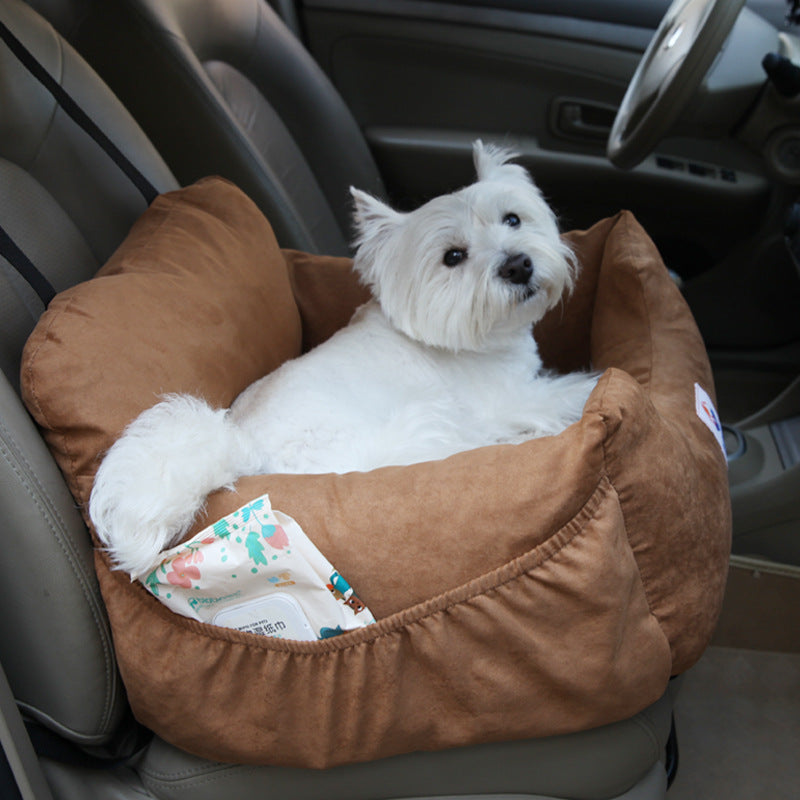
(442,360)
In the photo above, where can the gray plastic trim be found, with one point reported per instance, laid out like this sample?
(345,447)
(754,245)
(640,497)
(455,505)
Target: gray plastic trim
(644,13)
(18,748)
(623,36)
(651,171)
(786,433)
(638,13)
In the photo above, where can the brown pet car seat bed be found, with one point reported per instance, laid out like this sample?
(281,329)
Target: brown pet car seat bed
(519,590)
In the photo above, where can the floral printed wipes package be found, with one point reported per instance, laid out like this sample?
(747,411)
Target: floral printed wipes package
(255,570)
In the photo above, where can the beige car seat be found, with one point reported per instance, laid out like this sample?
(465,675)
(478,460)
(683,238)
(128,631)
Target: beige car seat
(231,92)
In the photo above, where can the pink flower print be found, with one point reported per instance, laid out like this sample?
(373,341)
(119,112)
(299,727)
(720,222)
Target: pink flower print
(183,573)
(275,536)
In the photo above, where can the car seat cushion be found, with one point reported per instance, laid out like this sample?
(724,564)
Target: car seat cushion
(520,590)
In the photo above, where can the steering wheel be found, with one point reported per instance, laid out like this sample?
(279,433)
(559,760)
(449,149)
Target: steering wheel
(680,53)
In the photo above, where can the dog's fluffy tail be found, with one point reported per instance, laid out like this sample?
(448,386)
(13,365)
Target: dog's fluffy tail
(154,480)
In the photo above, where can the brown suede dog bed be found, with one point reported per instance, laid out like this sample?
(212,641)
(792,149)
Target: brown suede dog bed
(520,590)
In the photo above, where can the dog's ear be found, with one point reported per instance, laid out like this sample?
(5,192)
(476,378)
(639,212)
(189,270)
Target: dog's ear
(491,162)
(371,216)
(374,222)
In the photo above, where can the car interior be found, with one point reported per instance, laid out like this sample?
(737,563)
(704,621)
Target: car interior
(694,126)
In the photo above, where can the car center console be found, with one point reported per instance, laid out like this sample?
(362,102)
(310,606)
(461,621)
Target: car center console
(764,473)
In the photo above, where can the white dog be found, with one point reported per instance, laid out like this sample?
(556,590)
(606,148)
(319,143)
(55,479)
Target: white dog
(442,360)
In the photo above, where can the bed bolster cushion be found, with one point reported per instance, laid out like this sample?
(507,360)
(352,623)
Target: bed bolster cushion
(520,590)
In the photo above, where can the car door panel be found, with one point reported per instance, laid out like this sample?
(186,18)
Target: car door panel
(422,78)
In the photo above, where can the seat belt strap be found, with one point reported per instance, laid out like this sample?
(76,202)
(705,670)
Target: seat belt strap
(65,100)
(25,267)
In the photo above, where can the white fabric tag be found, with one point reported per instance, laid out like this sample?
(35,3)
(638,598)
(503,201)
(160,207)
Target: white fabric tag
(708,414)
(256,570)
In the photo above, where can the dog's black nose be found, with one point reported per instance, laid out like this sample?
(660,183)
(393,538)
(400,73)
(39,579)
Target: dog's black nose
(516,269)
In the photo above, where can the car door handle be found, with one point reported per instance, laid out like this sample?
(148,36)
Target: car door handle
(583,119)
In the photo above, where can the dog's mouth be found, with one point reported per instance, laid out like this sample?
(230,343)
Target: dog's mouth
(527,292)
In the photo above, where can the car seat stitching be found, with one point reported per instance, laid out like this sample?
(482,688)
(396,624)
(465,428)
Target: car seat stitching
(171,779)
(606,438)
(79,737)
(14,457)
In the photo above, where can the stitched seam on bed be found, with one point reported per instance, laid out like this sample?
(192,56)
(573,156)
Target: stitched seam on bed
(622,512)
(32,384)
(645,305)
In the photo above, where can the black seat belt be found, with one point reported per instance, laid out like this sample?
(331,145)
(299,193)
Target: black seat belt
(25,267)
(8,249)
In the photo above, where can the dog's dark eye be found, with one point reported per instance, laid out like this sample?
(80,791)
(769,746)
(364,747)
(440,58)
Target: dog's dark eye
(452,258)
(512,220)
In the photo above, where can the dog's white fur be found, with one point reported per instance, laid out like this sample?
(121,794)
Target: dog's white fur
(442,360)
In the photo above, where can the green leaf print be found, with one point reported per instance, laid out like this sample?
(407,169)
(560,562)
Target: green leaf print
(255,548)
(251,508)
(221,529)
(151,582)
